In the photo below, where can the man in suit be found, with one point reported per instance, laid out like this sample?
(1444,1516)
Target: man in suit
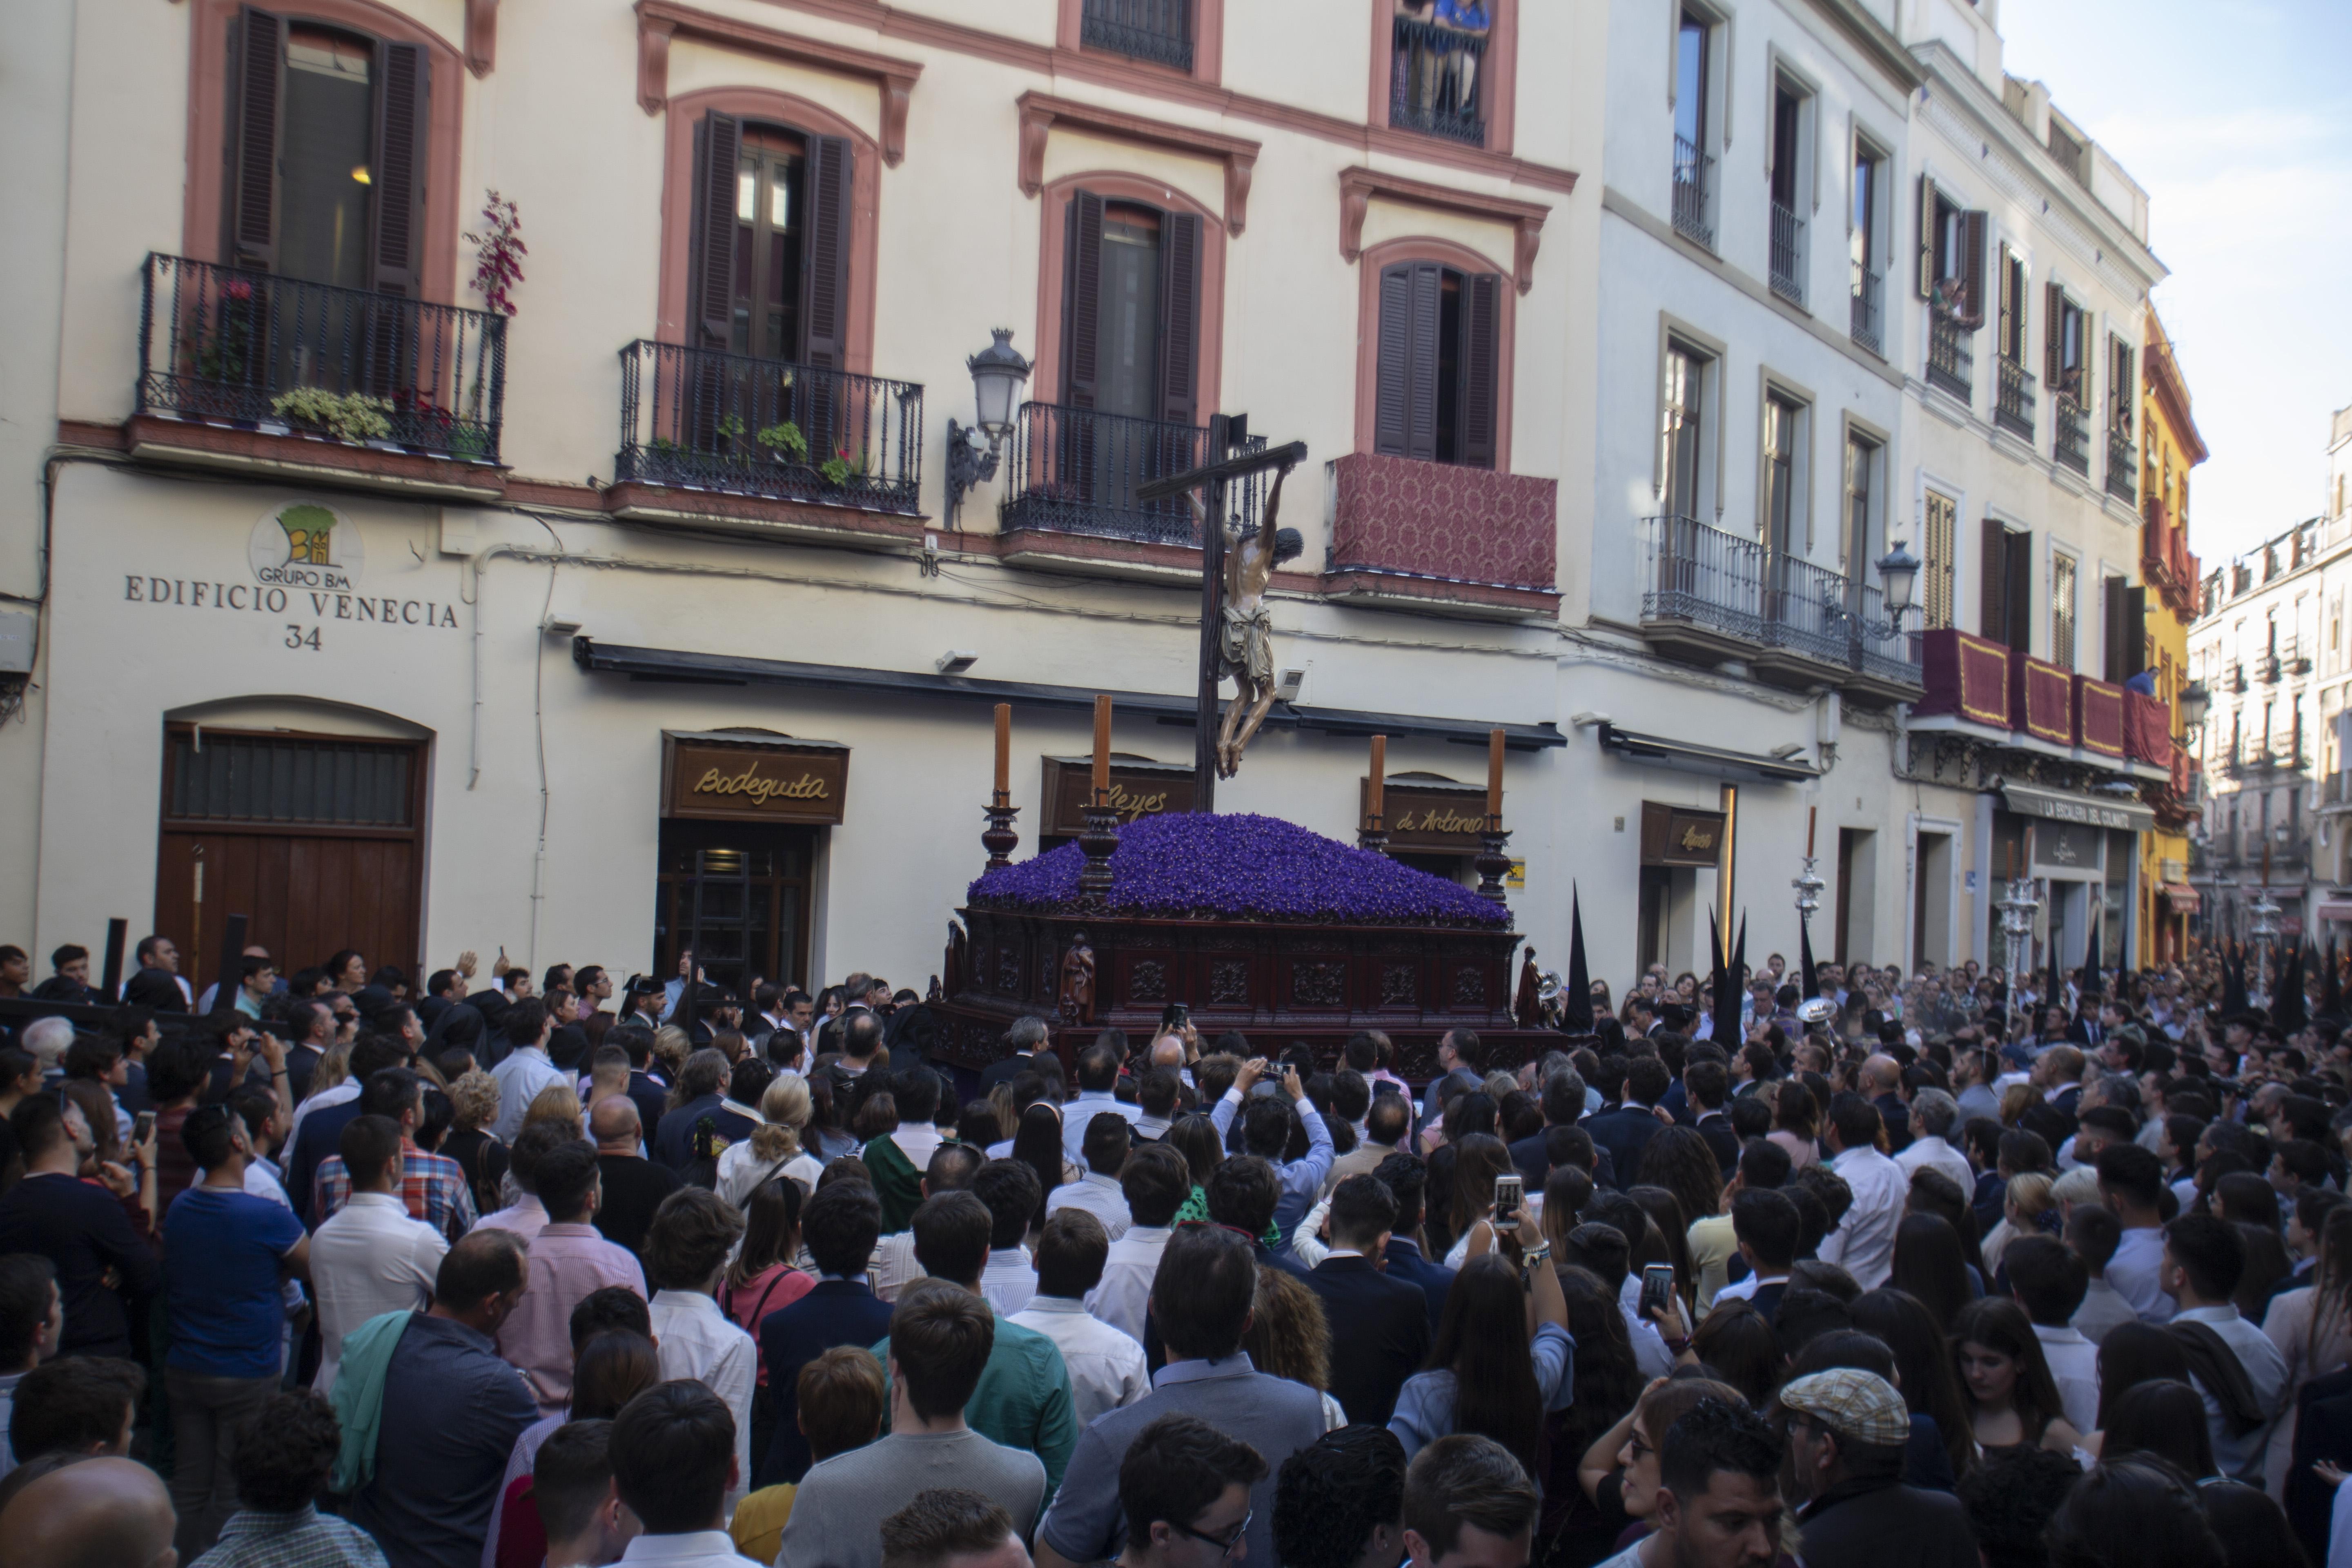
(1461,1064)
(840,1226)
(1027,1038)
(1708,1084)
(1627,1130)
(1379,1326)
(1385,1126)
(1564,1105)
(1767,1225)
(1407,1178)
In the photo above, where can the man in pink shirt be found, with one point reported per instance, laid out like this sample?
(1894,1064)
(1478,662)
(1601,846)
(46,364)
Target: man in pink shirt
(568,1261)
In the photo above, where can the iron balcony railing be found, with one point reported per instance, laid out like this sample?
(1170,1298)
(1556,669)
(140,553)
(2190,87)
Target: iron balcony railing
(233,347)
(1074,470)
(1703,575)
(1691,170)
(2123,467)
(2015,398)
(1951,362)
(702,419)
(1435,81)
(1788,237)
(1869,328)
(1805,610)
(1891,657)
(2335,789)
(2072,444)
(1160,31)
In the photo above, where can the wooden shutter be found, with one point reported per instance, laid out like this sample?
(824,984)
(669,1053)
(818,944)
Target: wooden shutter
(1421,384)
(2005,297)
(1180,318)
(718,154)
(1927,237)
(2020,591)
(2123,390)
(1482,294)
(1972,271)
(2135,631)
(257,87)
(2086,380)
(1992,600)
(2115,624)
(2053,337)
(1082,302)
(1391,398)
(824,269)
(404,81)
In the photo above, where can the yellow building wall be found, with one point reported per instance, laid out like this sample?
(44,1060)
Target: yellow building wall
(2168,452)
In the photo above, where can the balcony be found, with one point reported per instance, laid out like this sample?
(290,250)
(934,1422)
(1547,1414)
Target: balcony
(2014,398)
(2255,758)
(2123,467)
(1435,81)
(2147,731)
(1869,326)
(1702,589)
(1787,249)
(1442,539)
(1070,484)
(256,372)
(1951,362)
(1692,171)
(2072,444)
(747,433)
(1158,31)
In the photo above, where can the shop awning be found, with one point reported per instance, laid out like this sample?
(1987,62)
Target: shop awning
(2064,806)
(2183,900)
(1713,762)
(682,668)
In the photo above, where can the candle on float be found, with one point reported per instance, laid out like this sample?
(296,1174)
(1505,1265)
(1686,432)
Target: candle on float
(1378,783)
(1493,777)
(1003,750)
(1102,749)
(1811,812)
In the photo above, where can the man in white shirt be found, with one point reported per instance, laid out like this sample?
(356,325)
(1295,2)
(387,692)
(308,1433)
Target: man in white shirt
(2203,1258)
(2131,1183)
(893,1267)
(1933,1114)
(1009,1189)
(1106,1366)
(1097,1192)
(1155,1185)
(1863,1242)
(685,1257)
(369,1257)
(526,1069)
(2049,1281)
(1097,1077)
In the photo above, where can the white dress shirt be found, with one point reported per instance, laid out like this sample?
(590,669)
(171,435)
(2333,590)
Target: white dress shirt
(2241,1458)
(2133,1271)
(1106,1366)
(368,1259)
(521,1077)
(1934,1154)
(893,1267)
(1125,1294)
(1010,1280)
(694,1548)
(918,1141)
(1089,1104)
(699,1340)
(1863,1242)
(1096,1193)
(2075,1368)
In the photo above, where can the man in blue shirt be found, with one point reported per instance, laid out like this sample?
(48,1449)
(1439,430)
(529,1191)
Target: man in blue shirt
(1099,1066)
(840,1226)
(1266,1132)
(80,1229)
(225,1254)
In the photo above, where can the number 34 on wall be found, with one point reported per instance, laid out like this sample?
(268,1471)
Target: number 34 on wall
(296,636)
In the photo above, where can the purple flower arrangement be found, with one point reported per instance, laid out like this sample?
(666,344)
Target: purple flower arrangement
(1202,866)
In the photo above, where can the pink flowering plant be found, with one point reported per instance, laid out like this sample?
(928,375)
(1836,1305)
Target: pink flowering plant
(499,251)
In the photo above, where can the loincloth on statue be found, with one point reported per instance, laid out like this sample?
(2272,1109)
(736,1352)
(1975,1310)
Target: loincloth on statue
(1246,644)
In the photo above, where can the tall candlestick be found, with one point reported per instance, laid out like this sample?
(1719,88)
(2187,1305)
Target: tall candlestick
(1102,749)
(1811,812)
(1493,777)
(1378,783)
(1004,752)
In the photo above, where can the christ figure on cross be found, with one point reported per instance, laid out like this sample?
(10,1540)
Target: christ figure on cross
(1245,640)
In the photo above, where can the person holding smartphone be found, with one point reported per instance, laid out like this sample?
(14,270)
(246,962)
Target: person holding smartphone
(1503,1349)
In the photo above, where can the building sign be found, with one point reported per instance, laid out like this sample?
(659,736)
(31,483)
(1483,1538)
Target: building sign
(2060,806)
(1428,816)
(306,560)
(1139,787)
(2068,846)
(746,776)
(1679,835)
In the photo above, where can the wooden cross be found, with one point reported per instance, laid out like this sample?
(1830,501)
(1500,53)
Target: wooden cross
(1228,433)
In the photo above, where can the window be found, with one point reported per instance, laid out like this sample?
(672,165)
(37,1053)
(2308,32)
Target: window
(771,264)
(1437,68)
(325,156)
(1864,247)
(1160,31)
(2005,609)
(1691,159)
(1788,184)
(1130,301)
(2123,614)
(2066,345)
(2061,610)
(1783,452)
(1951,257)
(2122,379)
(1439,341)
(1682,456)
(2009,331)
(1857,550)
(1939,533)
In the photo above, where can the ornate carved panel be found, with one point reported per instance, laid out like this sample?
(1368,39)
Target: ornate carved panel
(1400,985)
(1147,982)
(1318,983)
(1008,969)
(1469,986)
(1229,983)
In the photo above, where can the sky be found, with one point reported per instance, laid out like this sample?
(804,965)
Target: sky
(2233,116)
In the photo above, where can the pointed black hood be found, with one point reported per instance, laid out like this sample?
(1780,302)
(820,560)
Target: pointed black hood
(1576,1005)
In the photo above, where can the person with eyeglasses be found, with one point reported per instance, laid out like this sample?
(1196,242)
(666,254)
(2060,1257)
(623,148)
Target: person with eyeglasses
(1185,1490)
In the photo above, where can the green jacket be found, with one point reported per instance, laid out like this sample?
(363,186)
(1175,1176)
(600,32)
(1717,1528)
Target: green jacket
(1023,1400)
(896,1182)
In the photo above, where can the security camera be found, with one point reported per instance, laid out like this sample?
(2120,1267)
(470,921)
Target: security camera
(1785,752)
(955,661)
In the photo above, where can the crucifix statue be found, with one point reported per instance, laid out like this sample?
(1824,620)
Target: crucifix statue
(1234,568)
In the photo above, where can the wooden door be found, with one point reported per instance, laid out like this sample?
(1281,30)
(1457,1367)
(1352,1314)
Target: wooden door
(317,840)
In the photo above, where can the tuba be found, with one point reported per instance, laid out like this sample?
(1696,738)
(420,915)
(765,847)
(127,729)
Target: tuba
(1817,1012)
(1549,989)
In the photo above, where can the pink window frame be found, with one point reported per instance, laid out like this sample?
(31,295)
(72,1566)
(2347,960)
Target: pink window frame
(1208,48)
(1412,247)
(1046,378)
(1501,69)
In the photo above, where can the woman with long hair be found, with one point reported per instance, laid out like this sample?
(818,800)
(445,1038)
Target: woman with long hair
(827,1139)
(2012,1400)
(1933,1192)
(1928,1265)
(1038,1145)
(1923,1362)
(1679,1160)
(2131,1354)
(761,1279)
(2312,1328)
(1738,1341)
(1486,1373)
(2164,1418)
(1668,1224)
(1478,1161)
(775,1147)
(1797,1122)
(1604,1382)
(1288,1337)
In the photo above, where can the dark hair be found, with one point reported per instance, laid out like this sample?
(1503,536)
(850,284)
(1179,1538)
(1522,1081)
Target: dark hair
(1195,1137)
(691,1235)
(567,1176)
(570,1476)
(1406,1176)
(40,1124)
(73,1404)
(1680,1160)
(389,1092)
(940,1523)
(1155,1182)
(1738,1341)
(1465,1480)
(1767,1220)
(2134,1172)
(1014,1200)
(481,1263)
(771,1228)
(1716,1435)
(2163,1417)
(1481,1338)
(1037,1143)
(2048,1277)
(1176,1469)
(840,1225)
(2009,1498)
(369,1144)
(2093,1233)
(916,1090)
(525,1021)
(284,1456)
(1071,1254)
(843,1398)
(1600,1249)
(941,1336)
(2209,1251)
(1929,1264)
(1923,1365)
(1243,1193)
(2133,1353)
(1202,1291)
(2251,1526)
(1332,1495)
(1108,1138)
(2132,1514)
(671,1446)
(1362,1209)
(2000,1325)
(26,1278)
(1805,1312)
(608,1307)
(952,1230)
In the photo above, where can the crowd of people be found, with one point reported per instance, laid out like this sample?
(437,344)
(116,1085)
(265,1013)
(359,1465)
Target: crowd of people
(1837,1268)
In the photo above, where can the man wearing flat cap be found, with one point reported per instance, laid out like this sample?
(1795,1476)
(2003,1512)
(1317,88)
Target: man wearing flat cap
(1846,1432)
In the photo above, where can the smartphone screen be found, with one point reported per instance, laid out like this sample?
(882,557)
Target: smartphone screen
(1657,1284)
(141,1125)
(1510,1193)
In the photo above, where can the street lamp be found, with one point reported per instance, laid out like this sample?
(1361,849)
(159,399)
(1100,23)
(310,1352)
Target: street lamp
(1898,571)
(998,372)
(2195,703)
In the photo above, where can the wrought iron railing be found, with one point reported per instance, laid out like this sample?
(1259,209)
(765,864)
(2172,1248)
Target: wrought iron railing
(1074,470)
(1691,171)
(1896,657)
(1951,362)
(1160,31)
(1787,243)
(233,347)
(700,419)
(1805,610)
(2123,467)
(1703,575)
(2072,444)
(2014,397)
(1869,328)
(1436,81)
